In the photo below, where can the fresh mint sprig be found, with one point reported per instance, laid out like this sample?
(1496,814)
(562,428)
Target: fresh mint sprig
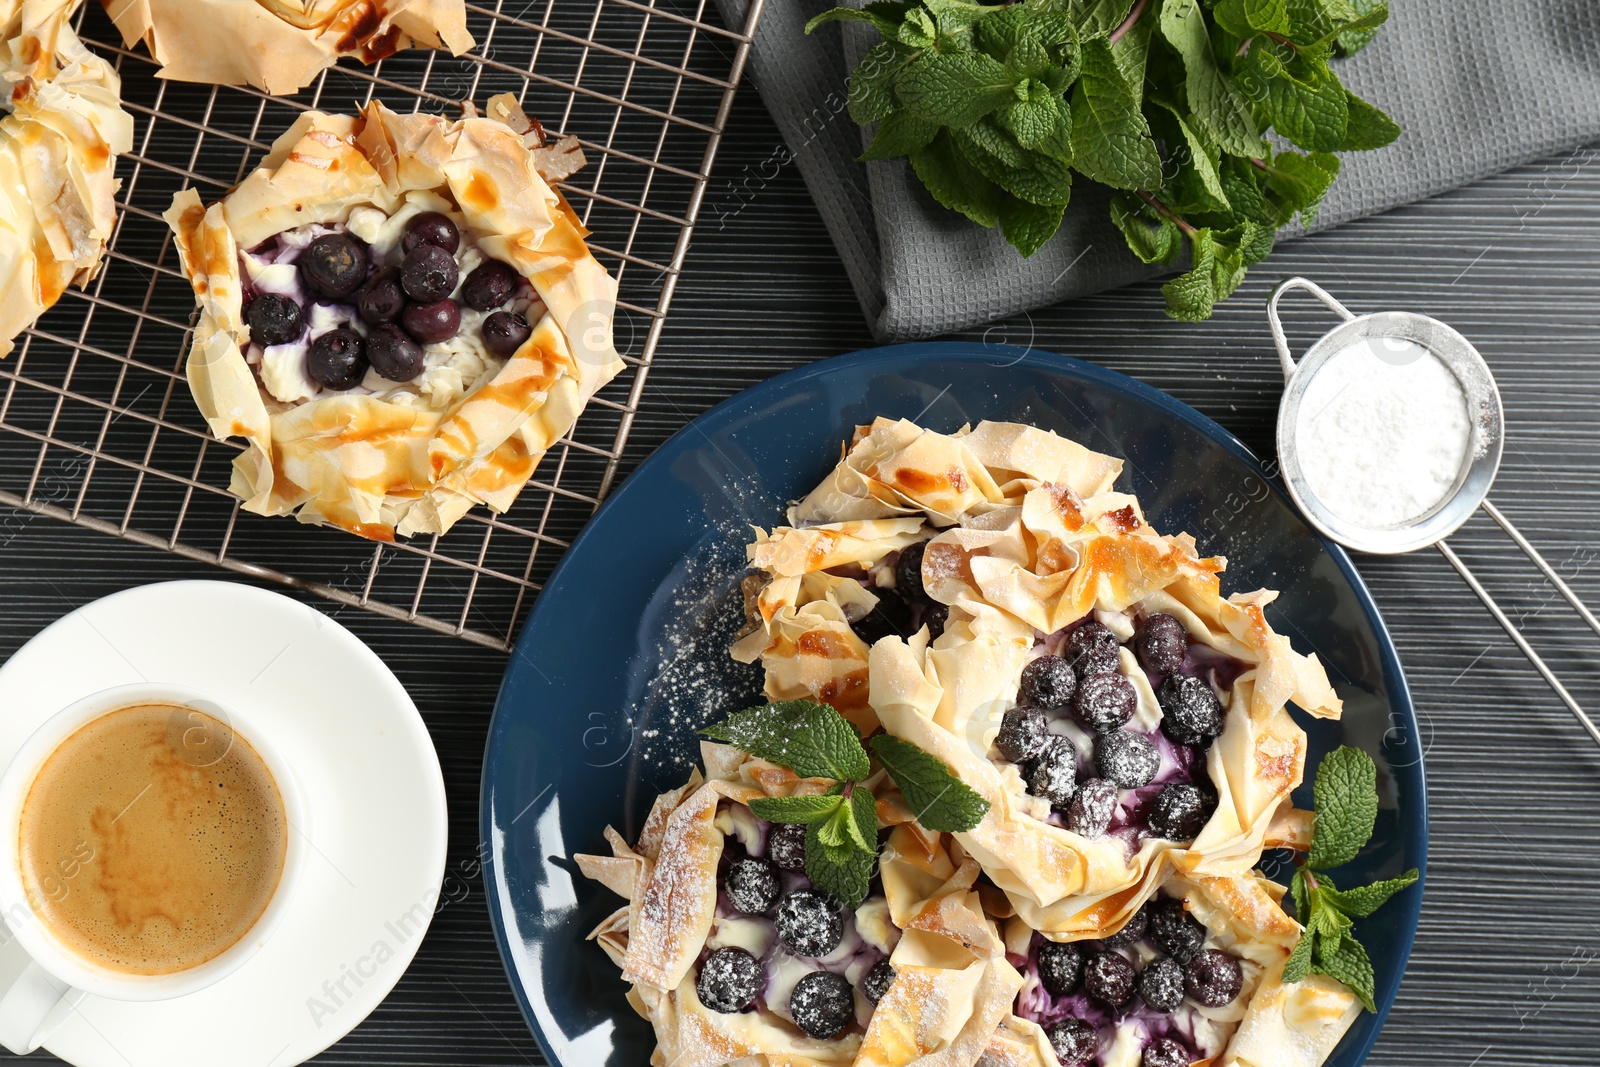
(1167,101)
(1346,802)
(814,741)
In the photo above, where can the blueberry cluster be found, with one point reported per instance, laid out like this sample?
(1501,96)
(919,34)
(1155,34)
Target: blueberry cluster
(404,308)
(1097,970)
(905,608)
(1086,681)
(808,923)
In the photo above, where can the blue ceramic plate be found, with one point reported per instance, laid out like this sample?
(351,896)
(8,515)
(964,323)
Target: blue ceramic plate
(624,655)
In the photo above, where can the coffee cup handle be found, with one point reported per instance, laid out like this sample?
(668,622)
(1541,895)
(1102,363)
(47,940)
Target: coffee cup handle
(33,1002)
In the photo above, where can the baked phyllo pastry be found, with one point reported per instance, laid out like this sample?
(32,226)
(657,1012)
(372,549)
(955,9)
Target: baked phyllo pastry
(62,130)
(735,957)
(282,45)
(1194,977)
(397,314)
(1081,672)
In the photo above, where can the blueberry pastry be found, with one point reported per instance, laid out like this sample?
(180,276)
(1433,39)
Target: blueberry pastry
(1193,976)
(736,957)
(1088,678)
(398,314)
(62,129)
(280,45)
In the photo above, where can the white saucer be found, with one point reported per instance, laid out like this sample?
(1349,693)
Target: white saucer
(372,784)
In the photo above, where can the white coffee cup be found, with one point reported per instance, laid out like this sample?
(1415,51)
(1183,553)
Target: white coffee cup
(42,980)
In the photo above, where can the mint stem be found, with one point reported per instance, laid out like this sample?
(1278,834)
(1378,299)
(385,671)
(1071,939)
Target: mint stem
(1165,212)
(1127,24)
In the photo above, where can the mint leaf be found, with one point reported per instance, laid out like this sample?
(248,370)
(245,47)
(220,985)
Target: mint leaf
(1042,125)
(1313,21)
(1363,901)
(1028,226)
(1097,18)
(1035,178)
(1111,141)
(871,94)
(1132,53)
(1346,961)
(886,20)
(1268,16)
(1302,896)
(1346,803)
(808,809)
(1190,296)
(953,89)
(1298,964)
(810,739)
(1241,183)
(835,830)
(1227,267)
(900,134)
(954,183)
(1190,166)
(1220,110)
(1230,15)
(1367,127)
(1150,236)
(864,819)
(1351,39)
(1306,102)
(1298,183)
(941,801)
(844,873)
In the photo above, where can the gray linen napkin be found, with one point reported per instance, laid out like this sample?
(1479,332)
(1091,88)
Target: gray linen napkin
(1478,85)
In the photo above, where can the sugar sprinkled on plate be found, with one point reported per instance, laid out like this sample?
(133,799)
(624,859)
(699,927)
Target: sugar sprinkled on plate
(1383,432)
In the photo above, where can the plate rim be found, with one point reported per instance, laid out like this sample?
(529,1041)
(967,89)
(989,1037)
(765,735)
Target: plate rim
(1393,673)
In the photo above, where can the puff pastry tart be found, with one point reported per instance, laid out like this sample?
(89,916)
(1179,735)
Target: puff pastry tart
(397,314)
(1019,619)
(282,45)
(62,129)
(1194,977)
(735,958)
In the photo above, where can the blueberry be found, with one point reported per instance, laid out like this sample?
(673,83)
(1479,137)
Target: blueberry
(393,353)
(877,981)
(1127,758)
(504,333)
(274,320)
(1165,1052)
(489,286)
(1179,812)
(1190,712)
(334,265)
(1092,807)
(1074,1041)
(809,923)
(822,1004)
(337,359)
(1092,649)
(430,228)
(1162,643)
(1108,978)
(1213,978)
(891,616)
(1105,702)
(1161,984)
(1131,931)
(729,980)
(432,323)
(380,300)
(908,572)
(935,618)
(752,885)
(1023,734)
(1060,966)
(1175,932)
(1047,682)
(428,273)
(786,846)
(1054,774)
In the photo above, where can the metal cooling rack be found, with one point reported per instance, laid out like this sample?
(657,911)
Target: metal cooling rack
(96,423)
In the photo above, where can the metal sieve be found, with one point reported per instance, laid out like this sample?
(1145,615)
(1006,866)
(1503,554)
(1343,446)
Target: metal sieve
(1470,491)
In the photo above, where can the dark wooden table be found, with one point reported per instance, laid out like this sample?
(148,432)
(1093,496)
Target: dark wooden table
(1507,963)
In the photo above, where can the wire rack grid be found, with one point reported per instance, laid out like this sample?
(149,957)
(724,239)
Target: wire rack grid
(96,423)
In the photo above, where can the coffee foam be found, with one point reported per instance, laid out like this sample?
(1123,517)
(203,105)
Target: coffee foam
(152,839)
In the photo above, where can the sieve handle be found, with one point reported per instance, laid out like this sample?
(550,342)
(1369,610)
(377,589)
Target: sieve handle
(1279,339)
